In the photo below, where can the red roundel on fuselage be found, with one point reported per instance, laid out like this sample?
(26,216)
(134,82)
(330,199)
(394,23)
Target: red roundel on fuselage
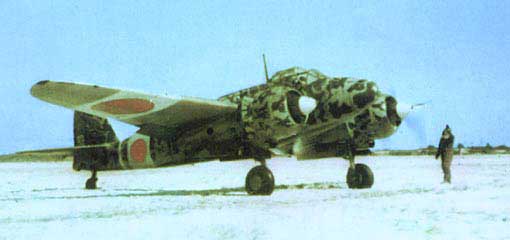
(138,150)
(124,106)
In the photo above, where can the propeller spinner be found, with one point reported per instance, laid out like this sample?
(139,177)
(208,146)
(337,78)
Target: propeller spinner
(307,104)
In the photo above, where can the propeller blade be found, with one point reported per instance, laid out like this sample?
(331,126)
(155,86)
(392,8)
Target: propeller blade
(417,127)
(403,109)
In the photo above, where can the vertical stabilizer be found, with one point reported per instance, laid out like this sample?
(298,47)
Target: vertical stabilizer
(96,145)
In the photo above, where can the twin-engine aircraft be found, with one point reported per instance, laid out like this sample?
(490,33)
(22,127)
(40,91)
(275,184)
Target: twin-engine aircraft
(297,112)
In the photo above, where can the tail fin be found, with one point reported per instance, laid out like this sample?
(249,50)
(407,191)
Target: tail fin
(96,145)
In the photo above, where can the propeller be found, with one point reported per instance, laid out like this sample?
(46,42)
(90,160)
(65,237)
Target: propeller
(418,127)
(404,109)
(413,120)
(412,117)
(404,119)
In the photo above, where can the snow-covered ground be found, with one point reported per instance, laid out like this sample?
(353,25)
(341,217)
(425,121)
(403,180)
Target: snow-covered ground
(311,201)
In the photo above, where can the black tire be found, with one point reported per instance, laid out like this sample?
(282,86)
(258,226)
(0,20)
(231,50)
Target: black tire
(91,183)
(259,181)
(360,177)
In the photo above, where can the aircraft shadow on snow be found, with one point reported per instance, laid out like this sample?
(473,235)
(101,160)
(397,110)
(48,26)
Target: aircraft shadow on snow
(237,191)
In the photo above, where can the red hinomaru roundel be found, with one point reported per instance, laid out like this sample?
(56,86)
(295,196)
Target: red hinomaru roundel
(124,106)
(138,150)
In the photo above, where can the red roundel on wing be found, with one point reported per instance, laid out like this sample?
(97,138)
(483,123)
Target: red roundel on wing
(139,150)
(124,106)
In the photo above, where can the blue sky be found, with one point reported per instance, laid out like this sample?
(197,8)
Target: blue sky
(454,54)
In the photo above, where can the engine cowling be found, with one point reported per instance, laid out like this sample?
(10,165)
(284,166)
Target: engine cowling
(269,116)
(380,120)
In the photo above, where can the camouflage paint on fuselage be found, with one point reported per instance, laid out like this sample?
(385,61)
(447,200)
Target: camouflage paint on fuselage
(267,118)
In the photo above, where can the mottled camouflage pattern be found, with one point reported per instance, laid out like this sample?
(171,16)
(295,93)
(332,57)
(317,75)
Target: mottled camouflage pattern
(220,139)
(267,118)
(348,111)
(96,143)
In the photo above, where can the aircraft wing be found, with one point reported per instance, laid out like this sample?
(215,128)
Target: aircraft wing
(130,107)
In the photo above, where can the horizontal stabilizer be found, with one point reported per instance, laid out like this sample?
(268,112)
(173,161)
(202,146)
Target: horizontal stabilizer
(69,150)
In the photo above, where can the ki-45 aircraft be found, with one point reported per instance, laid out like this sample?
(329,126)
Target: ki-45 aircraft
(297,112)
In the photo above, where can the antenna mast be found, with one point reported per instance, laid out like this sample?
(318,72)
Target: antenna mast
(265,67)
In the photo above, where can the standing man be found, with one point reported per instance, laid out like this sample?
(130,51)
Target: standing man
(445,150)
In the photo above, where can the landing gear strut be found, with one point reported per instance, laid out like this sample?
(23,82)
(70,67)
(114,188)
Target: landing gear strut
(91,182)
(359,175)
(260,180)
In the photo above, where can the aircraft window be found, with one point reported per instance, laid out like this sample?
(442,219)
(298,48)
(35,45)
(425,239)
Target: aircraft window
(295,73)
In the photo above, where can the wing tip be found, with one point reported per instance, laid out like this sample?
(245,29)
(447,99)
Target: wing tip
(42,82)
(34,89)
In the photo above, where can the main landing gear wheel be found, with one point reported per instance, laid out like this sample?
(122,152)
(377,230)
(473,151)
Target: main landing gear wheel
(259,181)
(360,177)
(91,182)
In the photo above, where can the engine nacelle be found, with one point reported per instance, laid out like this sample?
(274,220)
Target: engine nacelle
(274,114)
(296,101)
(380,120)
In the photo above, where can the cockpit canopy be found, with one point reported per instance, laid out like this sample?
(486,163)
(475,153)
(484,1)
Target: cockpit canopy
(296,74)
